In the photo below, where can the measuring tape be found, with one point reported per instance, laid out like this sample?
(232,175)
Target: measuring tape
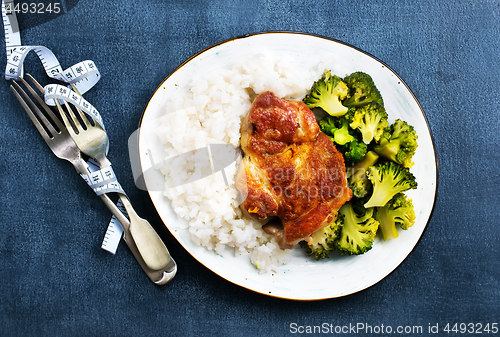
(83,75)
(12,35)
(62,93)
(115,230)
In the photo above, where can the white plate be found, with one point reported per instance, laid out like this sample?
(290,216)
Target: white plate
(303,278)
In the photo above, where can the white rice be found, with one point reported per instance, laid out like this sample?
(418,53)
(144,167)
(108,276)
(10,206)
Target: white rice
(210,111)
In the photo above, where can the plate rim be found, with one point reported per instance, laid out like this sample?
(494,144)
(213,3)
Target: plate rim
(277,32)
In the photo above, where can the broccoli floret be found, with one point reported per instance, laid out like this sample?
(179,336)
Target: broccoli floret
(370,120)
(388,179)
(359,230)
(337,128)
(398,143)
(355,151)
(322,242)
(327,94)
(327,125)
(362,90)
(357,178)
(347,140)
(343,135)
(399,210)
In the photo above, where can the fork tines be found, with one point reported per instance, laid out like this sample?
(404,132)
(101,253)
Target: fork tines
(79,121)
(47,123)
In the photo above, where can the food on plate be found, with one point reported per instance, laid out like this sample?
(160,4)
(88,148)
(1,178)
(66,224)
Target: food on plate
(398,143)
(327,93)
(338,128)
(370,120)
(347,140)
(291,170)
(388,179)
(209,110)
(397,211)
(357,178)
(272,102)
(362,90)
(359,228)
(378,158)
(323,241)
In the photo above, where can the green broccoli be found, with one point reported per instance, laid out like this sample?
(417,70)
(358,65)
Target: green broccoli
(354,151)
(337,128)
(327,125)
(399,210)
(362,90)
(327,94)
(343,134)
(370,120)
(347,140)
(322,242)
(357,178)
(359,230)
(398,143)
(388,179)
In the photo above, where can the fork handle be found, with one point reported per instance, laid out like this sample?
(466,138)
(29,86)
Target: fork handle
(159,277)
(148,242)
(115,211)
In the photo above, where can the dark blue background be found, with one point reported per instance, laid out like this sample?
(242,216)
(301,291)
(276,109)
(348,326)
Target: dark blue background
(55,279)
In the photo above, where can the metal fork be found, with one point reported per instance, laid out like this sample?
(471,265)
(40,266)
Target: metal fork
(62,145)
(92,140)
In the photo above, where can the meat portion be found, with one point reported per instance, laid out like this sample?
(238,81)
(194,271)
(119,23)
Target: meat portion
(290,170)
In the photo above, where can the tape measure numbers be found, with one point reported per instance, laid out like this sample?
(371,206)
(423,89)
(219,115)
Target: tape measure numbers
(11,27)
(114,231)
